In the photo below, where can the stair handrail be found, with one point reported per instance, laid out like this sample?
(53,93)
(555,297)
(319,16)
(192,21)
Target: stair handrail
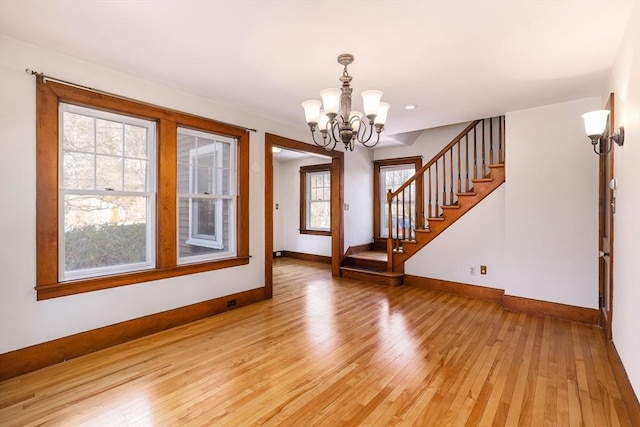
(435,158)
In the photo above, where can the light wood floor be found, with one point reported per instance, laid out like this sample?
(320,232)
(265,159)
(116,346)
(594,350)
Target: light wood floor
(335,352)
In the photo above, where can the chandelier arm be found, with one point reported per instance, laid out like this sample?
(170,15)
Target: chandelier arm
(375,143)
(324,142)
(362,133)
(335,125)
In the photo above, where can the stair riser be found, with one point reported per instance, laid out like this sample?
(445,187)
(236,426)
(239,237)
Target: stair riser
(372,277)
(367,263)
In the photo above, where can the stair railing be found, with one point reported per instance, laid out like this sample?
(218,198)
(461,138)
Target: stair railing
(448,174)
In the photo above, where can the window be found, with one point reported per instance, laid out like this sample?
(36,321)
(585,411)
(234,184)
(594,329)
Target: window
(128,192)
(390,174)
(206,193)
(107,193)
(315,199)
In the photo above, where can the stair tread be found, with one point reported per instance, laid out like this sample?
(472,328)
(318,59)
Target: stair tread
(497,165)
(436,218)
(450,206)
(467,193)
(489,179)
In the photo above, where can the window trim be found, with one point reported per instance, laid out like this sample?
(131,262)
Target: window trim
(304,171)
(377,215)
(48,96)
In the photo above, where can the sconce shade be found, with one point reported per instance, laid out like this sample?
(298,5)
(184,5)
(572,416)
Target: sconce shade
(595,122)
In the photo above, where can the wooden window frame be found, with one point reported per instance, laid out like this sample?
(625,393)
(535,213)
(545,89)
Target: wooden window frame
(49,95)
(379,164)
(304,170)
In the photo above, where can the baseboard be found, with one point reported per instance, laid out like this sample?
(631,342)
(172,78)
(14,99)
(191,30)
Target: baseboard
(38,356)
(307,257)
(525,305)
(590,316)
(462,289)
(624,385)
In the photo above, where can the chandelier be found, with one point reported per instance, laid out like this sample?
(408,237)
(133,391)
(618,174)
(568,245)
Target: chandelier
(334,119)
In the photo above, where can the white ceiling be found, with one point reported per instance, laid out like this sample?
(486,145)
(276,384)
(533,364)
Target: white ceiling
(457,60)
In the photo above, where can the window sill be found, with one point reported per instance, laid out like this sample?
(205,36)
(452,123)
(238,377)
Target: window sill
(316,232)
(88,285)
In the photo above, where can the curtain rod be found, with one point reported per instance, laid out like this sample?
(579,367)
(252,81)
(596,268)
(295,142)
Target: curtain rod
(45,77)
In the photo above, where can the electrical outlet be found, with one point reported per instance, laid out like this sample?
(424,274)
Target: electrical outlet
(472,271)
(346,206)
(483,269)
(231,303)
(278,253)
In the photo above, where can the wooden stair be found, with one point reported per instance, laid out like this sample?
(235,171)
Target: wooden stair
(482,187)
(370,266)
(456,179)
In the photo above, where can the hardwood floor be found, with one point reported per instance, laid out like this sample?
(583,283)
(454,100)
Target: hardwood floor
(329,352)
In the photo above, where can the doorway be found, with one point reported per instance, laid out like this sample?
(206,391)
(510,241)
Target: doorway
(337,198)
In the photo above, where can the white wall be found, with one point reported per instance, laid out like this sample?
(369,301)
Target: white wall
(286,192)
(23,320)
(551,205)
(358,194)
(475,239)
(625,83)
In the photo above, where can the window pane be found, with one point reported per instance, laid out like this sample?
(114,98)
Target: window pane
(78,171)
(326,194)
(135,175)
(392,178)
(109,173)
(203,225)
(78,132)
(109,137)
(104,231)
(135,141)
(319,215)
(206,228)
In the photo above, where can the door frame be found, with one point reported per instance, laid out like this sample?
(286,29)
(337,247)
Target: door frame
(337,198)
(606,198)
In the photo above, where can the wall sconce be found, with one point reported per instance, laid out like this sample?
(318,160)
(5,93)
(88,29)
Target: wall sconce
(595,123)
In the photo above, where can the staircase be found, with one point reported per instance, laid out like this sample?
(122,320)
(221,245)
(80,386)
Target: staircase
(456,179)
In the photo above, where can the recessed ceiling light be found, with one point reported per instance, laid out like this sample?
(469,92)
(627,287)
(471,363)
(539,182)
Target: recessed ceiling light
(410,107)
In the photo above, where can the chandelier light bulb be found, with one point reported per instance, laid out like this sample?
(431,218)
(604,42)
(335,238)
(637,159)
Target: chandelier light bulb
(383,110)
(324,121)
(331,100)
(312,111)
(371,102)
